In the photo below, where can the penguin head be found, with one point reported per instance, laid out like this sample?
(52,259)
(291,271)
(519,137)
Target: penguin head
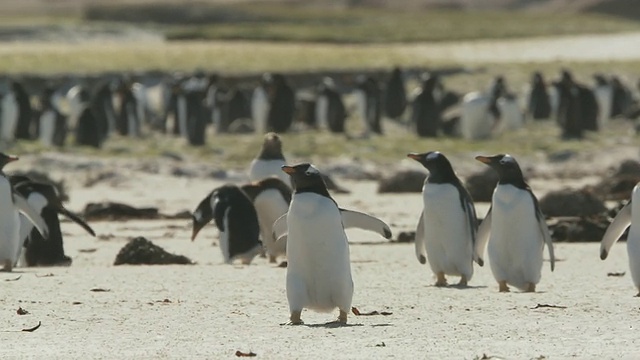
(203,214)
(5,159)
(306,176)
(439,167)
(506,166)
(271,147)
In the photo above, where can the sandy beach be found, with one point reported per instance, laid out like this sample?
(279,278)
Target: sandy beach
(210,310)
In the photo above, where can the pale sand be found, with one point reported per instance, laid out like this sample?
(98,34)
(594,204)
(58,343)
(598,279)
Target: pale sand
(215,310)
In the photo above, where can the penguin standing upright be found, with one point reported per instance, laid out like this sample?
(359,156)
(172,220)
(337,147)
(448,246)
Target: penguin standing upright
(539,105)
(260,104)
(604,96)
(235,218)
(628,215)
(44,200)
(269,161)
(319,266)
(9,111)
(395,95)
(426,111)
(51,125)
(25,112)
(271,198)
(448,224)
(514,227)
(330,110)
(13,204)
(281,105)
(368,103)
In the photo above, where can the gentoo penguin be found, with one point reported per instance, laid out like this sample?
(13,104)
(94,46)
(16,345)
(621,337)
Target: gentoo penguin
(269,161)
(14,204)
(102,109)
(236,220)
(481,112)
(367,93)
(514,227)
(319,267)
(577,108)
(260,104)
(604,96)
(282,102)
(629,215)
(447,227)
(271,198)
(9,112)
(426,111)
(621,97)
(395,95)
(90,130)
(25,112)
(128,121)
(539,105)
(44,199)
(330,110)
(51,125)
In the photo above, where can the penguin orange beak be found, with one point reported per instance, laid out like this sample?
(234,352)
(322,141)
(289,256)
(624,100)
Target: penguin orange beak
(484,159)
(414,156)
(288,169)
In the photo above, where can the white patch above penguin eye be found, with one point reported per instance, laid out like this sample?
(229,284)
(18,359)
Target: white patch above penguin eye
(507,159)
(312,170)
(432,155)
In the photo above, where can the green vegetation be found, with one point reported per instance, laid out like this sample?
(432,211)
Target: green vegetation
(287,22)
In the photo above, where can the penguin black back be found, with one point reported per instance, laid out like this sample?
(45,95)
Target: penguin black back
(254,189)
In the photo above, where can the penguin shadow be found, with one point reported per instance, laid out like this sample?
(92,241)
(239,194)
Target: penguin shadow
(328,325)
(458,287)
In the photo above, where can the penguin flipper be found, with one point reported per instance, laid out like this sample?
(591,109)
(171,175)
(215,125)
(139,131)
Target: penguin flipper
(419,241)
(24,208)
(279,227)
(482,238)
(546,236)
(615,230)
(356,219)
(75,218)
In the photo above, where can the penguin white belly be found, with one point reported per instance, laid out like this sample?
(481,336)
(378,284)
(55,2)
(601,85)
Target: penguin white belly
(270,206)
(447,234)
(47,127)
(9,116)
(476,122)
(515,244)
(319,268)
(361,109)
(554,100)
(604,98)
(633,240)
(224,238)
(322,110)
(262,169)
(182,115)
(512,118)
(9,225)
(260,109)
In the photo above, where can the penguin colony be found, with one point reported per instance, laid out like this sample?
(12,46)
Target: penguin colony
(187,106)
(309,230)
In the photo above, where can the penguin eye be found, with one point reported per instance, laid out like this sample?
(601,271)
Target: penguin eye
(311,171)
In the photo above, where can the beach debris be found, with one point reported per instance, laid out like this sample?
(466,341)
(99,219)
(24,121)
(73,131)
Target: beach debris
(33,328)
(618,186)
(357,312)
(141,251)
(488,357)
(76,303)
(570,202)
(481,185)
(406,236)
(616,274)
(87,251)
(574,229)
(21,311)
(404,181)
(14,279)
(244,354)
(382,344)
(539,306)
(45,275)
(100,290)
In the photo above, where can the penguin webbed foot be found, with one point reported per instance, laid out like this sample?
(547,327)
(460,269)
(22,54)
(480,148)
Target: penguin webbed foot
(463,283)
(531,288)
(295,319)
(503,286)
(638,295)
(441,281)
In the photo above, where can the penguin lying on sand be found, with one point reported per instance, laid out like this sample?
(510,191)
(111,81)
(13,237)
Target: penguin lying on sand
(14,204)
(629,215)
(319,266)
(514,227)
(45,200)
(447,228)
(236,219)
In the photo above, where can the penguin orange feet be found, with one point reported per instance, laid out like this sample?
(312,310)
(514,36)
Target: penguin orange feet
(440,279)
(638,294)
(8,266)
(503,286)
(294,319)
(342,317)
(463,281)
(531,287)
(272,259)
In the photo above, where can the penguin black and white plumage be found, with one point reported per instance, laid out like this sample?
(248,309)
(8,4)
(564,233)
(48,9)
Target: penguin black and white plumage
(330,110)
(426,111)
(90,130)
(446,233)
(481,112)
(9,111)
(319,266)
(14,204)
(128,122)
(621,98)
(271,198)
(269,161)
(604,96)
(235,218)
(44,199)
(281,104)
(539,104)
(629,215)
(25,112)
(395,95)
(51,123)
(368,101)
(260,104)
(514,227)
(577,108)
(103,111)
